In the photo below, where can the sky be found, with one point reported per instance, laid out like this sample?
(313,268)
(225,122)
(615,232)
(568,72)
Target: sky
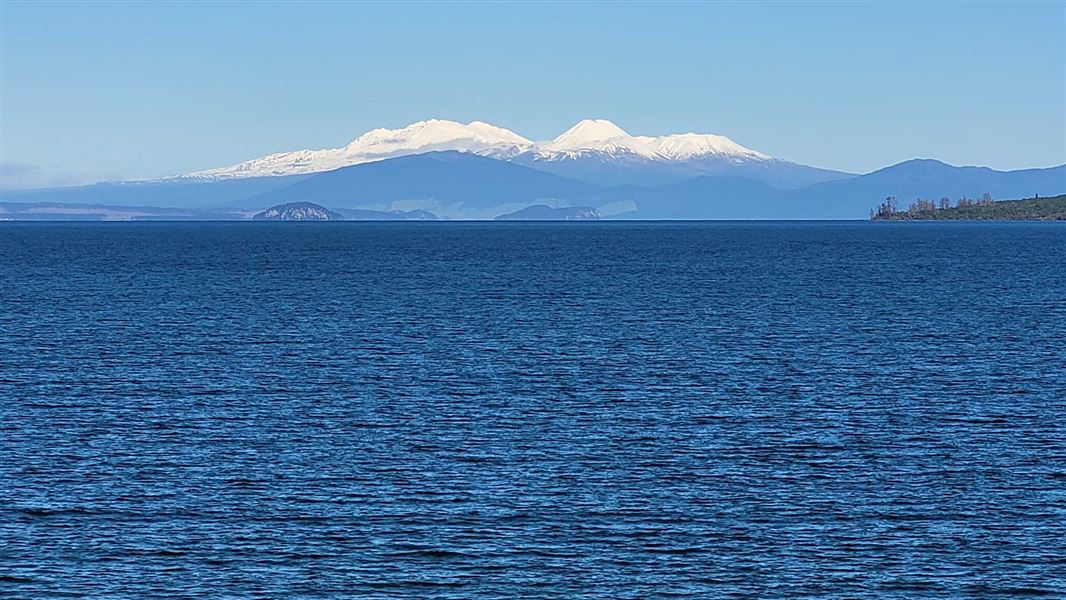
(92,91)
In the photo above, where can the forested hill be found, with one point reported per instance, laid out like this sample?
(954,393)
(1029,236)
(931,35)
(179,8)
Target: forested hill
(1029,209)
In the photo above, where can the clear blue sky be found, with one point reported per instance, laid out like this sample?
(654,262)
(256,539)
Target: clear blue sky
(107,91)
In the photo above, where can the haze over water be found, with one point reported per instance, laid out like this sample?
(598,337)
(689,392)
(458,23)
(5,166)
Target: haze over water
(455,410)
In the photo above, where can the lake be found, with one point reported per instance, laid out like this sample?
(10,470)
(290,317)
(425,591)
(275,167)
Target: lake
(557,410)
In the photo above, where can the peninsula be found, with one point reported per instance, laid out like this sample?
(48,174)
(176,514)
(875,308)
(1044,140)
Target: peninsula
(1029,209)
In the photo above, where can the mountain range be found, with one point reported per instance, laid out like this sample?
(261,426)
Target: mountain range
(594,150)
(450,170)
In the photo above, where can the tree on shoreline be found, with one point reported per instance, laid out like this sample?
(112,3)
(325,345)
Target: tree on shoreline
(887,209)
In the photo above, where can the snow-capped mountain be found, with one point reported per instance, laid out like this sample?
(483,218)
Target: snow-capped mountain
(378,144)
(602,136)
(594,150)
(687,146)
(596,136)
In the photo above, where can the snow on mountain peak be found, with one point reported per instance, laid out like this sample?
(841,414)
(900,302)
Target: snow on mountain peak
(684,146)
(497,133)
(378,144)
(598,136)
(587,131)
(435,134)
(589,137)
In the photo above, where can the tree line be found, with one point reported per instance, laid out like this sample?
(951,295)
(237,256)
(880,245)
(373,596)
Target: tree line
(1051,208)
(920,207)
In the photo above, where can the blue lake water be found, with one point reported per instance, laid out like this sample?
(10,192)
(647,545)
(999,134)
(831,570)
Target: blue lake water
(457,410)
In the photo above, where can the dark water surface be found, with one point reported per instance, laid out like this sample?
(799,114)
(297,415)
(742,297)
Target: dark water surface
(617,410)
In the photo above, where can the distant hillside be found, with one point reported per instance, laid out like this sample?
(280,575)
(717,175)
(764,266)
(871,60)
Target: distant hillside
(737,198)
(449,184)
(611,170)
(1031,209)
(851,198)
(706,198)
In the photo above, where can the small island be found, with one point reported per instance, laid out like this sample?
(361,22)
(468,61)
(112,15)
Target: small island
(986,209)
(298,211)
